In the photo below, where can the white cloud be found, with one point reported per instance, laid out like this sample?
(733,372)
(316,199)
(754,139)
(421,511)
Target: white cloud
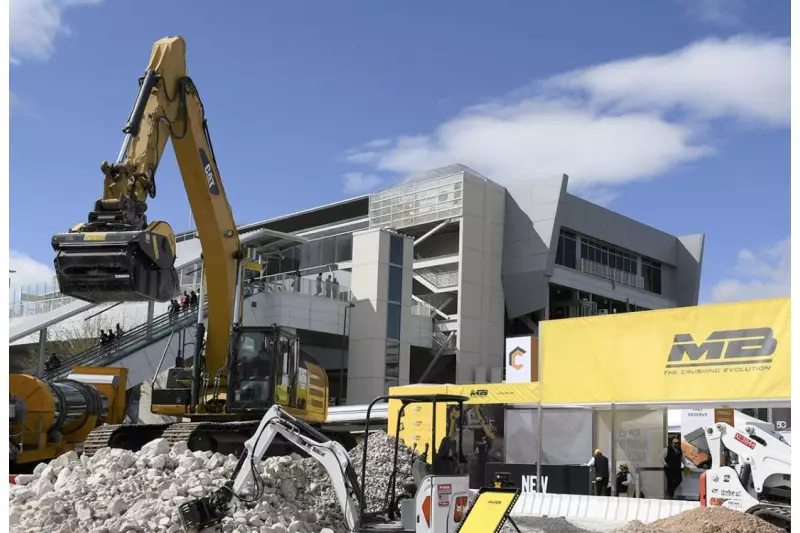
(744,77)
(35,25)
(718,12)
(609,124)
(378,143)
(29,272)
(766,274)
(358,183)
(599,196)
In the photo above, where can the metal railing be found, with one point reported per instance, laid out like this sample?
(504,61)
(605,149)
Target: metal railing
(445,342)
(54,300)
(290,284)
(163,325)
(130,342)
(439,278)
(617,276)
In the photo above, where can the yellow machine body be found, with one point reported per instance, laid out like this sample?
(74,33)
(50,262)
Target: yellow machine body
(50,418)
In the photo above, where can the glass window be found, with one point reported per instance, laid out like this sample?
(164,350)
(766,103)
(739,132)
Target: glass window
(396,250)
(328,250)
(395,284)
(393,315)
(569,253)
(651,271)
(314,253)
(344,248)
(560,251)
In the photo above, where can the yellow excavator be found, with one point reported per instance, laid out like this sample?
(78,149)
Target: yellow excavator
(237,372)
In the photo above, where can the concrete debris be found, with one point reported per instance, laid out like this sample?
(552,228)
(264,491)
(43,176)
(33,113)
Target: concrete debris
(704,520)
(118,491)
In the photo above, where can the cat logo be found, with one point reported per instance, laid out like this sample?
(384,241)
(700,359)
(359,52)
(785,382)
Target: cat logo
(213,186)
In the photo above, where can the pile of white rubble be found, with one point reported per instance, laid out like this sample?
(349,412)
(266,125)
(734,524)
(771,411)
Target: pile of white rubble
(118,491)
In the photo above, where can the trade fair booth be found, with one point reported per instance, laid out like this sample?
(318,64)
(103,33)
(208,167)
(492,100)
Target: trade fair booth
(608,382)
(630,368)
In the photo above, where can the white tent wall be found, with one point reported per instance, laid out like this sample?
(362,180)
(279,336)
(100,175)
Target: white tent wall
(639,438)
(568,436)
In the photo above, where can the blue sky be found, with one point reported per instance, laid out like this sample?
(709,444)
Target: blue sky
(675,112)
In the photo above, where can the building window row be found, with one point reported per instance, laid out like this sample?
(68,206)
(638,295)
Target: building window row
(394,310)
(313,254)
(607,261)
(651,272)
(609,256)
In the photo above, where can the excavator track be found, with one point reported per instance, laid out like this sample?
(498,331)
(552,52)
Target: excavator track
(222,437)
(126,436)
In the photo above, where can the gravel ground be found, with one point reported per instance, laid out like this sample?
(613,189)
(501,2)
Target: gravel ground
(555,525)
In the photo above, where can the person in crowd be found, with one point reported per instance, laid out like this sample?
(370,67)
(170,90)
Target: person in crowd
(119,330)
(328,286)
(111,336)
(674,463)
(185,302)
(601,474)
(319,284)
(52,362)
(297,280)
(625,485)
(103,338)
(193,299)
(335,288)
(174,308)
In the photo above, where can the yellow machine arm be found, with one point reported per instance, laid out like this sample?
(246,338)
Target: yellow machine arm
(117,256)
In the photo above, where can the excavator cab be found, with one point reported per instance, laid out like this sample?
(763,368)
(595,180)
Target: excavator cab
(263,366)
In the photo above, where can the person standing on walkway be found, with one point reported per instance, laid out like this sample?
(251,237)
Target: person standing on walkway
(601,474)
(193,299)
(673,459)
(625,483)
(319,284)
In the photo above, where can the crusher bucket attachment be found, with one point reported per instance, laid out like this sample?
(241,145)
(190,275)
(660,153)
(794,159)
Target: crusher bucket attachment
(117,266)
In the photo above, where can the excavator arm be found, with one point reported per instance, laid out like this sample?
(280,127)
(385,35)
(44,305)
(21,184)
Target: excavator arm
(117,255)
(205,513)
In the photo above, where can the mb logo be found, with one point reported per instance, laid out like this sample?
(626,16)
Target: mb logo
(724,348)
(513,357)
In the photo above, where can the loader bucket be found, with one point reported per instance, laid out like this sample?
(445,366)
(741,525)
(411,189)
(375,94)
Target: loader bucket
(123,266)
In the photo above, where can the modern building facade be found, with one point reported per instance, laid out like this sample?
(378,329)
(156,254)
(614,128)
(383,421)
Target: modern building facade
(429,276)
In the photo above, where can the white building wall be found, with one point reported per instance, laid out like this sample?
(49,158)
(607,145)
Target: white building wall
(481,302)
(366,374)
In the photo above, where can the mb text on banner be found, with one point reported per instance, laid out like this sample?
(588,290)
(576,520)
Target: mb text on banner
(711,353)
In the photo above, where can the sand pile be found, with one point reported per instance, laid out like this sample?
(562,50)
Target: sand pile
(705,520)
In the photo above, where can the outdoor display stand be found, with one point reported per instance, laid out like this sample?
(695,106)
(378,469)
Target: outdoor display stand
(490,511)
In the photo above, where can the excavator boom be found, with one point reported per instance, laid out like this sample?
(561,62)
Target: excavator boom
(117,255)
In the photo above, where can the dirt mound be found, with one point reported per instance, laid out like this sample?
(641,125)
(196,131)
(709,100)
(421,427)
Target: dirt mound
(704,520)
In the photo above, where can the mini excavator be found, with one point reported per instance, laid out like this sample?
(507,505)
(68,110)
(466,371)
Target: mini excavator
(237,373)
(441,496)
